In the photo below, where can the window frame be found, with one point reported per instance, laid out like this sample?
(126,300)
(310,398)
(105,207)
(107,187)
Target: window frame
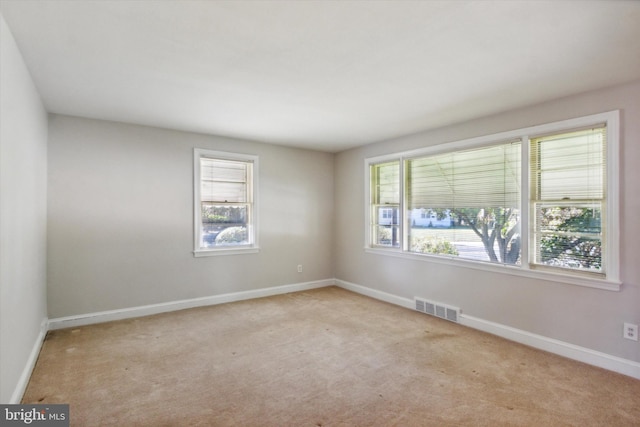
(611,279)
(537,199)
(252,226)
(378,207)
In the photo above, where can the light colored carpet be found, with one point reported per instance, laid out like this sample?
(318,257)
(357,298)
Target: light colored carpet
(326,357)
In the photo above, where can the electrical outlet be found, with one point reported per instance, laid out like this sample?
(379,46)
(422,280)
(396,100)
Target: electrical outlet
(630,331)
(300,270)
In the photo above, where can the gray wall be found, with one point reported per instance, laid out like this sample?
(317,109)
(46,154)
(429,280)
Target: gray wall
(120,217)
(586,317)
(23,213)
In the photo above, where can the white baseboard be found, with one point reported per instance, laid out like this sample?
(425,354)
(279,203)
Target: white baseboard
(23,381)
(373,293)
(571,351)
(568,350)
(146,310)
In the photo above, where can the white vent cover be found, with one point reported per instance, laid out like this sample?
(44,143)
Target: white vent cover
(430,308)
(437,309)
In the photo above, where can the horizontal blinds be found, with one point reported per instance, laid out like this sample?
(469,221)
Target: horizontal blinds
(569,166)
(479,178)
(386,183)
(223,181)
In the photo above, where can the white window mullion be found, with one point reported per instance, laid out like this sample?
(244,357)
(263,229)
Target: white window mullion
(403,214)
(612,254)
(525,205)
(197,199)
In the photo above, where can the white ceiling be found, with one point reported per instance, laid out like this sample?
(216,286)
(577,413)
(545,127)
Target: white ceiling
(325,75)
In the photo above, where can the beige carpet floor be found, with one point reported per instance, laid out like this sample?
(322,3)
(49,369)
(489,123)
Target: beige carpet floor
(326,357)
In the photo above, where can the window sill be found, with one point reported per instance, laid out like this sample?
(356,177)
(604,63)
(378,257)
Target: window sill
(226,251)
(604,284)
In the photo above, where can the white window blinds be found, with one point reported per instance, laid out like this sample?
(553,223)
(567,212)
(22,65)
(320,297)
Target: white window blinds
(569,166)
(479,178)
(223,181)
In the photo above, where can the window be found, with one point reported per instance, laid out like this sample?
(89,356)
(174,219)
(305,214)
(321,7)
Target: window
(540,202)
(470,200)
(385,202)
(568,199)
(225,202)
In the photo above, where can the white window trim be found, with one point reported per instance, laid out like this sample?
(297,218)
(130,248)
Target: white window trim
(252,233)
(612,254)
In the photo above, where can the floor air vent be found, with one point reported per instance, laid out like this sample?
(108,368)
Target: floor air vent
(437,309)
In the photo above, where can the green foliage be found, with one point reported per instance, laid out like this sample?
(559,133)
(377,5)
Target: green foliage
(384,235)
(572,252)
(223,214)
(584,220)
(572,246)
(491,225)
(572,237)
(215,219)
(232,235)
(432,245)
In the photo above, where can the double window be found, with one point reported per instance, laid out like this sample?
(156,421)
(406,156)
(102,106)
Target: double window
(225,202)
(540,201)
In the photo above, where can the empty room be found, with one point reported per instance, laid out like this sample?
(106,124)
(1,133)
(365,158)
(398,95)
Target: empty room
(319,213)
